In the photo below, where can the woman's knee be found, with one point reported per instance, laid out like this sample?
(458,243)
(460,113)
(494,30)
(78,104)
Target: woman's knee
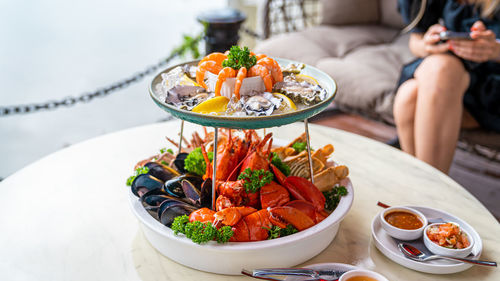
(443,75)
(405,102)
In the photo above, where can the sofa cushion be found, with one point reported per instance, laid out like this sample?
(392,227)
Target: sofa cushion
(344,12)
(389,14)
(367,77)
(314,43)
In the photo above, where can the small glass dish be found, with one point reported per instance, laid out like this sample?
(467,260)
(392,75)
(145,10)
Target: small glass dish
(399,233)
(444,251)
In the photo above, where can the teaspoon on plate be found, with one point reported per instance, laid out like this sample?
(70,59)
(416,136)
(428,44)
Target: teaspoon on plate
(415,254)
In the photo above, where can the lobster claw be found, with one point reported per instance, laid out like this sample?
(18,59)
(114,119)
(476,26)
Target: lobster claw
(279,175)
(283,216)
(273,195)
(302,189)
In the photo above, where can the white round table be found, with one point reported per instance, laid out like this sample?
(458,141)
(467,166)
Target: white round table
(67,216)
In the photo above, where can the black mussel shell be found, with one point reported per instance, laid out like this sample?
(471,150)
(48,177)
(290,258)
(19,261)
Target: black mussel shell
(144,183)
(154,198)
(170,209)
(191,192)
(174,186)
(206,194)
(179,162)
(161,172)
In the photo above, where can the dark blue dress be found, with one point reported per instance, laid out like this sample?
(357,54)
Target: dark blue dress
(482,98)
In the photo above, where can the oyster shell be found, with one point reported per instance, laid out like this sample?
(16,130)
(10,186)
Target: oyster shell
(186,96)
(260,105)
(293,68)
(301,92)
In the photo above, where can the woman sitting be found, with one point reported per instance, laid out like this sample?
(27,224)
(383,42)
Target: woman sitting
(452,84)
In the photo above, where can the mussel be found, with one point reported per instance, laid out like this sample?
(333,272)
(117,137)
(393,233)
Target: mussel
(174,186)
(172,208)
(161,172)
(179,162)
(144,183)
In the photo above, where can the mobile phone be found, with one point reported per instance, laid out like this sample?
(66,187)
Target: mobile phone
(452,35)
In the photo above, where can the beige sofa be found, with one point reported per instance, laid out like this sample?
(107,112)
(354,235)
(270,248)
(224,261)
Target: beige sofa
(357,42)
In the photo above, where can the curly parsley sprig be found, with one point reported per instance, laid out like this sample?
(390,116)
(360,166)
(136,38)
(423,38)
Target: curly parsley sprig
(254,180)
(239,57)
(276,231)
(138,171)
(333,197)
(200,232)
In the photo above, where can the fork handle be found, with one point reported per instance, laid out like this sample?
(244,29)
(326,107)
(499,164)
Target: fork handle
(477,262)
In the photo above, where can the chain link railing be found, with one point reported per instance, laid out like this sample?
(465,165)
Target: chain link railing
(102,92)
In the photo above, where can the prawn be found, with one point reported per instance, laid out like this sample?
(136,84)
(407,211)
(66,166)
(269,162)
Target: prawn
(204,67)
(217,57)
(260,56)
(242,74)
(273,67)
(263,72)
(226,72)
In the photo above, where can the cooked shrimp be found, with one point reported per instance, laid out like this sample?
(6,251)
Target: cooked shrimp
(273,67)
(226,72)
(203,67)
(260,56)
(242,74)
(216,57)
(259,70)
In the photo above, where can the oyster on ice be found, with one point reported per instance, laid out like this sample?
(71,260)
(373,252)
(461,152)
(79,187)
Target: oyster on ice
(300,92)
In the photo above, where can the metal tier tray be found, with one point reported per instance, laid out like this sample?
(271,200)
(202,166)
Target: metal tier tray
(251,122)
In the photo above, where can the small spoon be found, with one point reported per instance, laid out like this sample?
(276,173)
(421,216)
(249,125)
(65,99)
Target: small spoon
(415,254)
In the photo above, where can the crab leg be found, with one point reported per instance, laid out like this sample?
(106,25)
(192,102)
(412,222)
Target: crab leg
(309,150)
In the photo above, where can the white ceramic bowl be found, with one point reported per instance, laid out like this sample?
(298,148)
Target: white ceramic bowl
(403,234)
(232,257)
(439,250)
(362,272)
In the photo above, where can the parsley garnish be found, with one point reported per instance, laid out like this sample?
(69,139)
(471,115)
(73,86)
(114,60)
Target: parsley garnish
(163,150)
(238,58)
(276,161)
(138,171)
(195,163)
(276,231)
(254,180)
(333,197)
(200,232)
(299,146)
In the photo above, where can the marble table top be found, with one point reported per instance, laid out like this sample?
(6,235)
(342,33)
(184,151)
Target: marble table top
(67,216)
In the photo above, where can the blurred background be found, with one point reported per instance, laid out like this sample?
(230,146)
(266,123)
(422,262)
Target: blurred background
(53,49)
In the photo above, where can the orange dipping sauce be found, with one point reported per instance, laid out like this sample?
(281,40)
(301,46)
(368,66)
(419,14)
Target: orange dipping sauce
(403,220)
(361,278)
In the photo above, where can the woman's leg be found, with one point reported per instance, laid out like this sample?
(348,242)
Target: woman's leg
(442,81)
(404,115)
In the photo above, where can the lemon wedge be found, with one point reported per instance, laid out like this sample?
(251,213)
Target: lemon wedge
(287,102)
(185,80)
(306,78)
(213,105)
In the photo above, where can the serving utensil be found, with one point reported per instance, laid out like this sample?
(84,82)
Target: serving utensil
(266,273)
(415,254)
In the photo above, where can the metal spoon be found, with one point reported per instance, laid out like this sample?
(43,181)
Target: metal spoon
(415,254)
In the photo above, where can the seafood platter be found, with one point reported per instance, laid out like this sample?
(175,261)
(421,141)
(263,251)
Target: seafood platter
(262,93)
(237,198)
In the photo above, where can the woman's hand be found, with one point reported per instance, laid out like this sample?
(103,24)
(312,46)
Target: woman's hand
(431,40)
(483,48)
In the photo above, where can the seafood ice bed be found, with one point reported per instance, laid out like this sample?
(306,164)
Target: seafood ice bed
(262,192)
(258,87)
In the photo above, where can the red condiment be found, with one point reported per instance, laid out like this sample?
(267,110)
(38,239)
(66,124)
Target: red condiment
(403,220)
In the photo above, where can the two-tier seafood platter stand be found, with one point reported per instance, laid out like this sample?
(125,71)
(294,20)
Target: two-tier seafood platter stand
(232,257)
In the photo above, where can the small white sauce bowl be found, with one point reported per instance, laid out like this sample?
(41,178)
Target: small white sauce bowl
(399,233)
(362,272)
(440,250)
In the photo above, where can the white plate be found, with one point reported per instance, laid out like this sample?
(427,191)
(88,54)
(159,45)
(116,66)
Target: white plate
(388,246)
(324,266)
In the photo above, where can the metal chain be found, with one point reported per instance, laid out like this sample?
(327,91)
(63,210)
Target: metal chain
(102,92)
(252,33)
(84,98)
